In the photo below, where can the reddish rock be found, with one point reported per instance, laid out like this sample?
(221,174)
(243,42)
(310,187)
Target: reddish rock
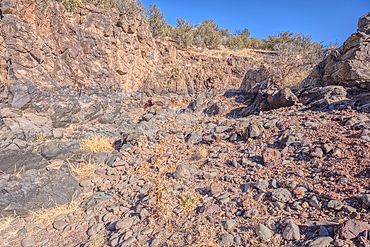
(286,124)
(209,208)
(270,154)
(352,229)
(216,188)
(299,173)
(244,201)
(298,193)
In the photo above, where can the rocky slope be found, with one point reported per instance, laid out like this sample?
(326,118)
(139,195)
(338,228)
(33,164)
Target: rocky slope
(52,59)
(259,166)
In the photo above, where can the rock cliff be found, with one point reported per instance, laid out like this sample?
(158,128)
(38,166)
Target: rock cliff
(62,63)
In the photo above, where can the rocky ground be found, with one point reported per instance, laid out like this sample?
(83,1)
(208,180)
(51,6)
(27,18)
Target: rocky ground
(290,176)
(110,138)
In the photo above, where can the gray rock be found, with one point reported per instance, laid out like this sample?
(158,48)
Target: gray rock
(124,224)
(271,123)
(155,242)
(254,131)
(129,241)
(210,175)
(229,224)
(291,231)
(314,202)
(323,231)
(183,169)
(310,124)
(297,205)
(28,241)
(194,136)
(95,229)
(261,184)
(52,149)
(319,242)
(238,239)
(34,189)
(26,159)
(135,162)
(216,108)
(366,199)
(96,200)
(281,195)
(336,205)
(60,224)
(147,231)
(263,232)
(326,148)
(317,153)
(85,183)
(226,239)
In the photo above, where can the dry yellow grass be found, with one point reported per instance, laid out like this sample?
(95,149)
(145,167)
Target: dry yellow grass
(96,144)
(40,137)
(81,170)
(5,222)
(47,216)
(19,173)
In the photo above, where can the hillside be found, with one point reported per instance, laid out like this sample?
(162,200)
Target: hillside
(112,138)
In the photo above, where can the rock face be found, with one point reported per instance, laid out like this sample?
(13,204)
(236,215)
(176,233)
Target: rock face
(81,65)
(34,189)
(349,66)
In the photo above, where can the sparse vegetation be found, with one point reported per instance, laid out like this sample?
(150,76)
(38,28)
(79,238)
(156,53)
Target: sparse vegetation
(40,137)
(96,144)
(157,22)
(189,202)
(47,216)
(183,33)
(158,182)
(81,170)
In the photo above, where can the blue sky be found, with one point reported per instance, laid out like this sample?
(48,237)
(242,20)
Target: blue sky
(325,20)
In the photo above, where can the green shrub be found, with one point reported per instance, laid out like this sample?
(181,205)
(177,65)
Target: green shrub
(157,22)
(183,34)
(235,43)
(208,32)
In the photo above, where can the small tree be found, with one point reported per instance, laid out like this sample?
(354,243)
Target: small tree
(157,22)
(209,32)
(244,36)
(183,33)
(235,43)
(70,5)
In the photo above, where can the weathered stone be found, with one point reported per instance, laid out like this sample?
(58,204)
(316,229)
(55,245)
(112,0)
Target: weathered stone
(35,189)
(291,231)
(263,232)
(352,229)
(183,169)
(124,224)
(281,195)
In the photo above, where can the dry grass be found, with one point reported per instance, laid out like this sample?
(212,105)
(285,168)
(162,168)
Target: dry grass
(5,222)
(158,182)
(19,173)
(6,229)
(96,144)
(81,170)
(47,216)
(40,137)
